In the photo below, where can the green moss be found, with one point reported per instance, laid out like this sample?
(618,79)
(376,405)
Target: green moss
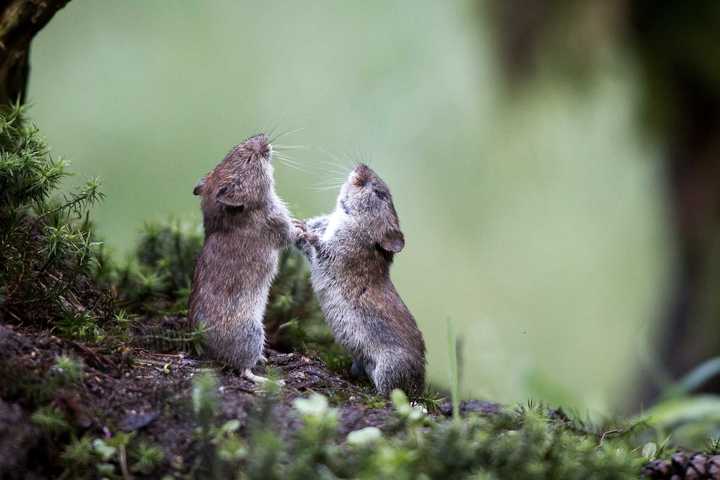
(51,420)
(526,442)
(158,278)
(147,457)
(49,255)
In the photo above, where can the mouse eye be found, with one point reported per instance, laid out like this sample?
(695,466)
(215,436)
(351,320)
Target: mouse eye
(381,195)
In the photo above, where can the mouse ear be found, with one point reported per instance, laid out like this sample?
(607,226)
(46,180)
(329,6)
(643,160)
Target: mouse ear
(199,186)
(393,241)
(228,196)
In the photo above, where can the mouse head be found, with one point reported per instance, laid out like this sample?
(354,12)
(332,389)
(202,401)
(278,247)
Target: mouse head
(366,198)
(242,180)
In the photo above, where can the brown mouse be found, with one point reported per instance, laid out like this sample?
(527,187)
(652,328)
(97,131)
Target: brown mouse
(246,227)
(350,253)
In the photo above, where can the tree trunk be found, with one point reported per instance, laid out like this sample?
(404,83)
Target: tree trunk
(20,21)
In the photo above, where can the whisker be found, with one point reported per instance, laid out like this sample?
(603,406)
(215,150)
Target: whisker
(270,130)
(329,183)
(288,161)
(290,147)
(280,154)
(325,188)
(275,125)
(332,174)
(280,135)
(334,166)
(295,167)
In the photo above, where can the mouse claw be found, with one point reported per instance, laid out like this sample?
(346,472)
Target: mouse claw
(299,225)
(299,230)
(311,238)
(247,373)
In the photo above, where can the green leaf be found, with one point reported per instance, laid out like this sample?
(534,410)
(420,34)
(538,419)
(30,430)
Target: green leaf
(105,451)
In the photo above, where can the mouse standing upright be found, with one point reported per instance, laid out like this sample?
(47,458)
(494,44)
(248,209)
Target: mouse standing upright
(350,253)
(246,227)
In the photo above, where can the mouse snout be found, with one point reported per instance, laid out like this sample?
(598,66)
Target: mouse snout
(259,145)
(360,175)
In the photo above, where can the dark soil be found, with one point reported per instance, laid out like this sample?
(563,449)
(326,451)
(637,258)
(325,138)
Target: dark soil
(136,389)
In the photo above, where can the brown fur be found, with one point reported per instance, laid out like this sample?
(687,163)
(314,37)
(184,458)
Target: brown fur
(246,226)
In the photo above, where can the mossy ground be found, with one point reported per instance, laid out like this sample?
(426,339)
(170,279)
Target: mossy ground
(149,393)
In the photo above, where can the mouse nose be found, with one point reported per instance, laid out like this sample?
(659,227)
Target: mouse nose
(360,175)
(259,144)
(362,169)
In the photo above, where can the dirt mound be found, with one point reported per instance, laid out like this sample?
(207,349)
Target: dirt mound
(134,389)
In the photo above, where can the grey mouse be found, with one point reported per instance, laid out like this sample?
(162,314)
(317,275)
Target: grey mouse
(350,253)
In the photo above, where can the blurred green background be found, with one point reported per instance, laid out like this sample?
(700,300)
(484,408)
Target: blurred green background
(534,219)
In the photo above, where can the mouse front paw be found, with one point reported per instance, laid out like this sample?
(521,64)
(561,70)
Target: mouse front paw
(298,227)
(304,238)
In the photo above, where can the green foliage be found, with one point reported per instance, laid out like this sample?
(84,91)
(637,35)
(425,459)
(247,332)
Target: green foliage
(35,388)
(68,370)
(528,442)
(78,455)
(48,250)
(110,457)
(51,420)
(158,278)
(204,400)
(293,318)
(689,421)
(454,370)
(80,326)
(694,379)
(147,457)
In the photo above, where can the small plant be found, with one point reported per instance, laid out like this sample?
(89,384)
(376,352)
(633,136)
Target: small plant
(51,420)
(204,399)
(80,326)
(110,457)
(48,251)
(454,370)
(147,457)
(431,399)
(110,451)
(79,456)
(713,446)
(68,370)
(230,447)
(158,278)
